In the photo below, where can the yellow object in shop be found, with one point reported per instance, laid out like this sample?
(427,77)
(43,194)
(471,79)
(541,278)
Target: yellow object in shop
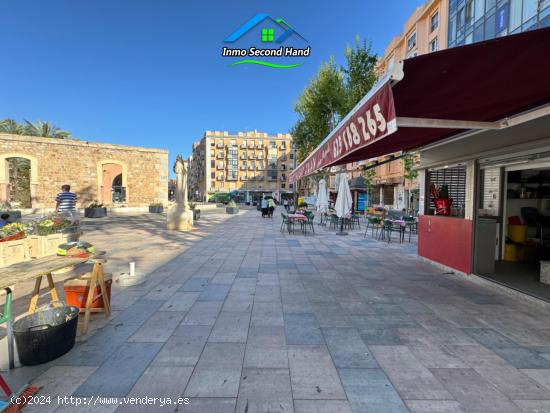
(517,233)
(510,251)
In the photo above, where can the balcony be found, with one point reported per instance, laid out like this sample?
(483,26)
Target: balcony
(251,156)
(220,156)
(243,178)
(219,166)
(250,145)
(250,167)
(243,167)
(220,178)
(219,145)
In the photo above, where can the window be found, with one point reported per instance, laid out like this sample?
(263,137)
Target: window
(479,9)
(529,9)
(434,45)
(468,12)
(490,27)
(515,14)
(212,164)
(434,22)
(213,175)
(502,20)
(411,42)
(283,186)
(267,35)
(388,194)
(455,179)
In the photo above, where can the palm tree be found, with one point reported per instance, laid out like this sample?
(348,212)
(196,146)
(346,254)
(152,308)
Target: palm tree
(45,129)
(11,126)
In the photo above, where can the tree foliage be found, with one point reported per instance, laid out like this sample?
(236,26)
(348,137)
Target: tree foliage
(330,95)
(409,161)
(320,107)
(360,72)
(38,128)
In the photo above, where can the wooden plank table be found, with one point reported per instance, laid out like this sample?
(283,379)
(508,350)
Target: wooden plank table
(36,269)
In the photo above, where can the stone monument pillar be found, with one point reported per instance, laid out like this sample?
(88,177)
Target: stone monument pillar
(179,216)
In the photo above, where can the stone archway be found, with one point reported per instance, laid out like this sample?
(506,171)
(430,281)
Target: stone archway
(6,186)
(112,178)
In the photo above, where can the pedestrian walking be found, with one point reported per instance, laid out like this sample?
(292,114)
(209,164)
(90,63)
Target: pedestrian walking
(271,205)
(264,206)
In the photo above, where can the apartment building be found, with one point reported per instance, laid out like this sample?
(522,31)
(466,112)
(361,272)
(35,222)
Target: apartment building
(425,31)
(251,163)
(473,21)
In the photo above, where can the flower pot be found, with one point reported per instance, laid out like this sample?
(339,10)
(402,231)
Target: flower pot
(231,210)
(196,214)
(95,212)
(443,206)
(13,237)
(156,209)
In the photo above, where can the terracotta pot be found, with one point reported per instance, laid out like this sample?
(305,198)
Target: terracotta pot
(16,236)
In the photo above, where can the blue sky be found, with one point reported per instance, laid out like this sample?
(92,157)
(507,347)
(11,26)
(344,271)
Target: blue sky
(150,72)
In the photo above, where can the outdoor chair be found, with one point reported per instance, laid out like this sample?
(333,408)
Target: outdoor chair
(389,228)
(355,220)
(374,224)
(333,222)
(411,225)
(287,222)
(308,223)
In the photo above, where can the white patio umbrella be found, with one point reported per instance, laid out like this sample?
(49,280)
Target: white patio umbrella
(343,200)
(322,197)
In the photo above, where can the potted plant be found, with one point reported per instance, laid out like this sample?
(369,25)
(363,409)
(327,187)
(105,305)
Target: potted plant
(196,211)
(440,195)
(156,208)
(231,208)
(95,210)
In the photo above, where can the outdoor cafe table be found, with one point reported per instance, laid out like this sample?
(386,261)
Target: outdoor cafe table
(36,269)
(297,217)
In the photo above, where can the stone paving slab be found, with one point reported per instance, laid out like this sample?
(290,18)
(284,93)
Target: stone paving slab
(119,373)
(313,374)
(315,323)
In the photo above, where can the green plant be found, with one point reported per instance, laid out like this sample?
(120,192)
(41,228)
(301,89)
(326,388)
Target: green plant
(38,128)
(302,204)
(409,161)
(192,205)
(96,204)
(231,204)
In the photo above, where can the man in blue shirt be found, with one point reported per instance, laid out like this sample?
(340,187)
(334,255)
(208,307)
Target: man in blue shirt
(66,200)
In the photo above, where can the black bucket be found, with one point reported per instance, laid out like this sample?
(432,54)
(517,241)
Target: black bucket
(45,335)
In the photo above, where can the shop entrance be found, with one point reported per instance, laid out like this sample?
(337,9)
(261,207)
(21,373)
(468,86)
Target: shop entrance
(512,232)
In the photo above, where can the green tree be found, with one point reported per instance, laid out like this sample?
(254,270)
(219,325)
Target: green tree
(360,72)
(320,107)
(39,128)
(45,129)
(11,126)
(331,94)
(409,161)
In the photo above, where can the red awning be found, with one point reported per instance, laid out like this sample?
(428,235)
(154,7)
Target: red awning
(481,82)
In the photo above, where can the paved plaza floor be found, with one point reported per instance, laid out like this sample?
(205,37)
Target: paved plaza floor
(248,319)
